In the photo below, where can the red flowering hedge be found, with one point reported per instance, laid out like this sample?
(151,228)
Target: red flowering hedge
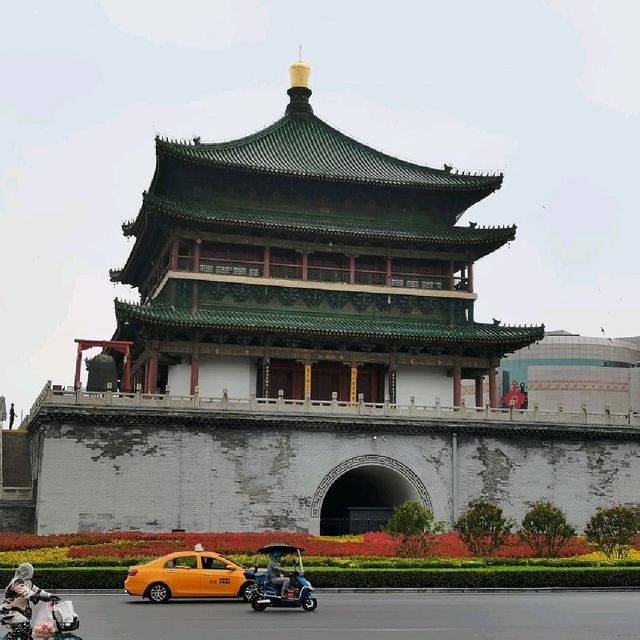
(135,544)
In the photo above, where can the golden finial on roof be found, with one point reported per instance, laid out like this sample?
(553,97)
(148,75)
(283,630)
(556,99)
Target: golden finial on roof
(299,73)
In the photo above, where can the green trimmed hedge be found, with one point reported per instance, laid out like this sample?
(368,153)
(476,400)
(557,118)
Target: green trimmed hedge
(477,578)
(74,577)
(470,578)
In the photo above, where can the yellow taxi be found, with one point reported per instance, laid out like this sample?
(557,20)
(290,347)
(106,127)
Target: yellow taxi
(189,574)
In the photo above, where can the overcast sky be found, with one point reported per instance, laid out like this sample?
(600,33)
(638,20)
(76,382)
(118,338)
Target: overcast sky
(546,91)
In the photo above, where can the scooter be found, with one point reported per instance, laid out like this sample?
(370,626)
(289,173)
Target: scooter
(300,593)
(64,618)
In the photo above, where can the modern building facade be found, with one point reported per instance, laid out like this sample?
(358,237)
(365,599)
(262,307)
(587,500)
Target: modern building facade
(575,372)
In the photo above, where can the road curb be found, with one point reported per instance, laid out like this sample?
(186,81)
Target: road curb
(339,590)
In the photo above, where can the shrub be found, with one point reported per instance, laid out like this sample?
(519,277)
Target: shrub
(484,527)
(612,530)
(469,578)
(413,526)
(546,530)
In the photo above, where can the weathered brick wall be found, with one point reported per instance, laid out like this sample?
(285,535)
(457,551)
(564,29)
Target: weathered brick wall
(16,518)
(111,477)
(579,476)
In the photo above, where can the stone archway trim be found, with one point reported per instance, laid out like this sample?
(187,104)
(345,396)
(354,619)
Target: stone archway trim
(362,461)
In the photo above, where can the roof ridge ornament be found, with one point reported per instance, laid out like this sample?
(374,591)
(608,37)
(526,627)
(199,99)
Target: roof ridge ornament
(299,92)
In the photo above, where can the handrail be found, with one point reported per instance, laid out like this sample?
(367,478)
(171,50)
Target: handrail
(280,405)
(317,273)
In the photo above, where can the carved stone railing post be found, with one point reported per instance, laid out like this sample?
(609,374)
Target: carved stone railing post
(360,404)
(167,396)
(412,405)
(109,393)
(225,399)
(438,408)
(334,402)
(196,396)
(253,404)
(280,401)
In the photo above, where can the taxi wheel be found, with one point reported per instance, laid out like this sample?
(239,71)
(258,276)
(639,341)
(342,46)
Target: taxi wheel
(309,604)
(158,593)
(247,590)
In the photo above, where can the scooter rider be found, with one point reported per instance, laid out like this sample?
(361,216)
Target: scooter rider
(15,610)
(276,575)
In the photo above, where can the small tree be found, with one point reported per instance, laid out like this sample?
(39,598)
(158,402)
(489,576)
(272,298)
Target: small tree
(546,530)
(413,527)
(484,528)
(612,530)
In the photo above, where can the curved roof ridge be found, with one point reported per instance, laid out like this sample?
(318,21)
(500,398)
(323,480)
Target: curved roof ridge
(315,323)
(307,146)
(404,161)
(255,135)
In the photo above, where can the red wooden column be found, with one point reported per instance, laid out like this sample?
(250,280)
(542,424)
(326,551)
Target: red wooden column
(126,375)
(196,256)
(152,380)
(457,386)
(392,383)
(493,389)
(145,386)
(388,271)
(452,284)
(479,391)
(266,375)
(470,277)
(76,379)
(174,254)
(305,264)
(266,264)
(195,372)
(353,383)
(352,269)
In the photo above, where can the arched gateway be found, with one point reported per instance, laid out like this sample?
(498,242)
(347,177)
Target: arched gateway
(360,493)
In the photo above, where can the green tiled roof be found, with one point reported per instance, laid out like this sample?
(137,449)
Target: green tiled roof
(306,146)
(326,225)
(310,323)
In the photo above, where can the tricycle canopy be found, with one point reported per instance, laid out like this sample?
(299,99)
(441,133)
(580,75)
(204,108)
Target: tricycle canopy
(284,549)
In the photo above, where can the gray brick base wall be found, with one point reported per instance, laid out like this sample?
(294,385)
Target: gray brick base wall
(111,475)
(17,518)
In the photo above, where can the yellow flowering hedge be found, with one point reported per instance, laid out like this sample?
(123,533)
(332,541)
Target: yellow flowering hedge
(47,557)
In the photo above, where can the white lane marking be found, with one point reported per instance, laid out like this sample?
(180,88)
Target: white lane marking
(368,630)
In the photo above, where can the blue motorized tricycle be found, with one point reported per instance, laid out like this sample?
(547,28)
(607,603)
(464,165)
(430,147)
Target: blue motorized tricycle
(268,591)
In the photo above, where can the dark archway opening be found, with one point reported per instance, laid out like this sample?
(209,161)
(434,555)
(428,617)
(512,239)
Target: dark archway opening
(363,499)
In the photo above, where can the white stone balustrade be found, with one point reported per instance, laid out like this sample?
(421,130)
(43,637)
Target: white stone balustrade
(360,409)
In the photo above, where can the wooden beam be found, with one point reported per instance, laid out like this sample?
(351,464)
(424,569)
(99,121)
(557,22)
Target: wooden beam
(326,248)
(294,353)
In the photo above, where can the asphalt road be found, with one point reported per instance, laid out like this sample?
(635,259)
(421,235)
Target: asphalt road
(445,616)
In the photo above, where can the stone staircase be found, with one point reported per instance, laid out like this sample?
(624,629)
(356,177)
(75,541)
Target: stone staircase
(17,508)
(16,460)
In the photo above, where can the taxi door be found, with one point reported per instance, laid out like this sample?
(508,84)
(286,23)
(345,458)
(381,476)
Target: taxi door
(185,576)
(217,580)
